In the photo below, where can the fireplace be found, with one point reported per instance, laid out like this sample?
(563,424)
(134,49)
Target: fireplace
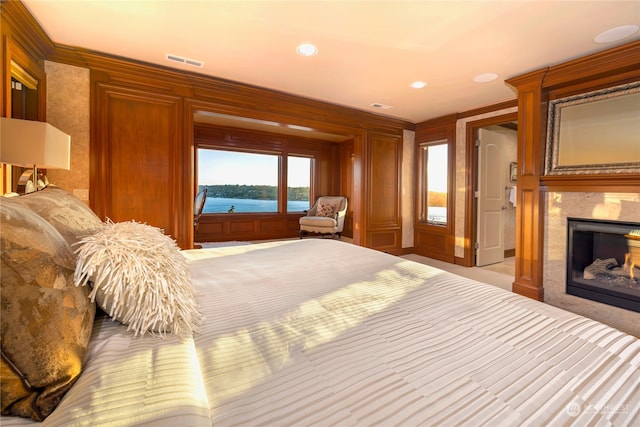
(603,261)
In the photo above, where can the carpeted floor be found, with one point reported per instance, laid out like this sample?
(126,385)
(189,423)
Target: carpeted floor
(501,274)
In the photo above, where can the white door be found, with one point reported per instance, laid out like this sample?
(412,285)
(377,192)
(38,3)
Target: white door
(491,198)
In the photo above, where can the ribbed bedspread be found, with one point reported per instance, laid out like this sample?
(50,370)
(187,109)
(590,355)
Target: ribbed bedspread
(320,332)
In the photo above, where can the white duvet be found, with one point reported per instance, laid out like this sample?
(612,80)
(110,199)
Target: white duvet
(327,333)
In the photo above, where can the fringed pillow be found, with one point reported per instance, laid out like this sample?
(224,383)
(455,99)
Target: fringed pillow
(139,278)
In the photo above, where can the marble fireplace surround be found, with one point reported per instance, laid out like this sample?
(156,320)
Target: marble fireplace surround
(605,206)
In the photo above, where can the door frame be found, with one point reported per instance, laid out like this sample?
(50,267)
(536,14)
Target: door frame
(470,226)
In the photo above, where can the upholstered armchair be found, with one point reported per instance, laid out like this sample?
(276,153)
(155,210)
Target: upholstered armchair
(325,217)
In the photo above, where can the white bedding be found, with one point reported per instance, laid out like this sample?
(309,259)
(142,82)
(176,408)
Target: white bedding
(130,381)
(321,332)
(328,333)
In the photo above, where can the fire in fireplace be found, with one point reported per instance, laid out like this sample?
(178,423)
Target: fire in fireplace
(603,261)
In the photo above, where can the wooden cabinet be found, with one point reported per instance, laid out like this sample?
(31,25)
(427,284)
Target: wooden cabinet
(137,147)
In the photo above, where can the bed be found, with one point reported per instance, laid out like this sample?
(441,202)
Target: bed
(323,332)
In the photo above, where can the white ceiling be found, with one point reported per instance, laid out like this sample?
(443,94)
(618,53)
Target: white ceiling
(369,51)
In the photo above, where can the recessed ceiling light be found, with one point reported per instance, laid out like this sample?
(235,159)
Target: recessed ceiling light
(307,49)
(615,34)
(485,77)
(418,85)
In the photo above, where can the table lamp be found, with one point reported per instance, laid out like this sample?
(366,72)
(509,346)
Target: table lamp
(33,144)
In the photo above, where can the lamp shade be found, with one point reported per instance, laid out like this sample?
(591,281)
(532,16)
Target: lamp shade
(30,143)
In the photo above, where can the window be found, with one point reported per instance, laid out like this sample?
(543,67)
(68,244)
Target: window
(238,181)
(298,183)
(244,182)
(434,182)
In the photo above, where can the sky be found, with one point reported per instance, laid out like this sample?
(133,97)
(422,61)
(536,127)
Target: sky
(216,167)
(437,168)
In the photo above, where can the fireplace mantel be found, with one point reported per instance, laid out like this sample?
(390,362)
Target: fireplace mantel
(604,69)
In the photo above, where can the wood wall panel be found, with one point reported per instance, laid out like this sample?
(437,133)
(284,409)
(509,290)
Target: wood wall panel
(346,183)
(138,137)
(385,239)
(384,161)
(22,40)
(247,227)
(236,226)
(292,224)
(384,222)
(276,225)
(434,245)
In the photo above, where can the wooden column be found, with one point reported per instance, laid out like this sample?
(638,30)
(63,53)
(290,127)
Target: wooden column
(530,202)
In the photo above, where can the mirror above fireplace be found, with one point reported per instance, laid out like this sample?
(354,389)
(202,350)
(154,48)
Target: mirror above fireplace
(595,133)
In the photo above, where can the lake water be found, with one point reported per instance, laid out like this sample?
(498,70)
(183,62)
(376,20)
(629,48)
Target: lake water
(220,205)
(437,214)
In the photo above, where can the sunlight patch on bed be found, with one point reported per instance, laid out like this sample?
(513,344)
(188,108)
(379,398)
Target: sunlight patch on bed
(254,354)
(131,384)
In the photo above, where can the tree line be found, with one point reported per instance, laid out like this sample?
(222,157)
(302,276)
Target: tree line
(437,199)
(254,192)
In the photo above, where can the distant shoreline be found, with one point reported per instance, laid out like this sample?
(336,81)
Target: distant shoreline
(254,192)
(224,205)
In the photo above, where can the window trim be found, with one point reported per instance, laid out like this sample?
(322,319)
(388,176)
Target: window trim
(422,196)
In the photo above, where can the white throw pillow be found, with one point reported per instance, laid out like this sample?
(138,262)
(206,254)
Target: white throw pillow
(139,278)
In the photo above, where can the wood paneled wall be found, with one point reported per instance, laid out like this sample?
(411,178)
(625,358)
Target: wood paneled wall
(139,109)
(25,43)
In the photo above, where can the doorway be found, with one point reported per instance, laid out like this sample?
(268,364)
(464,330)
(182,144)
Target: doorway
(493,168)
(496,191)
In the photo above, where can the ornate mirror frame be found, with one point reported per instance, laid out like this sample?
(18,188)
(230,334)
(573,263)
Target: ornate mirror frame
(595,132)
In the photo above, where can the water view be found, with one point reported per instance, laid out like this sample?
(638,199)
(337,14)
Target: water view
(222,204)
(437,214)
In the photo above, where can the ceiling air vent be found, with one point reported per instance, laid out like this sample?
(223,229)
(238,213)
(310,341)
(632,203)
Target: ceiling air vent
(382,106)
(182,59)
